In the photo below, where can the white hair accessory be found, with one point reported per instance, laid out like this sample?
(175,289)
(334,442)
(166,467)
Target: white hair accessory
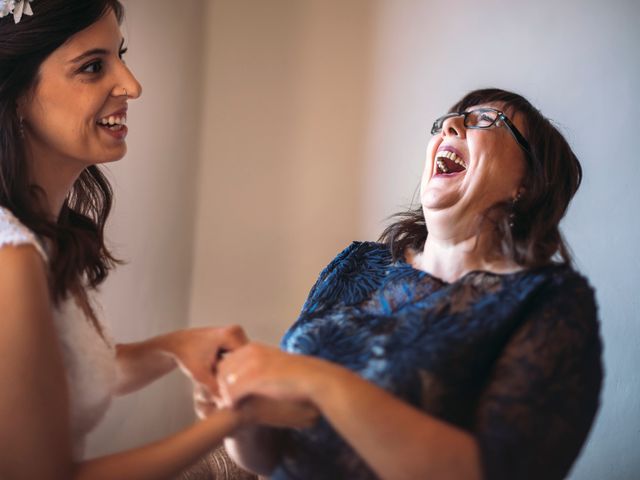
(15,7)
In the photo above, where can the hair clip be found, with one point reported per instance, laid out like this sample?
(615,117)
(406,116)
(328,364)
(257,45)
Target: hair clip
(15,7)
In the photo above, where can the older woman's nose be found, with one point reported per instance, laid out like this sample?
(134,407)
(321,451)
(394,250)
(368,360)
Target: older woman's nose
(454,127)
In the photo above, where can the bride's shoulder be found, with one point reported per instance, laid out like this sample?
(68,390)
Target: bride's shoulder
(14,233)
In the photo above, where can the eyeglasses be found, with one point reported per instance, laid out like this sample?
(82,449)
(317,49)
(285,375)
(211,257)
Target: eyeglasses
(484,118)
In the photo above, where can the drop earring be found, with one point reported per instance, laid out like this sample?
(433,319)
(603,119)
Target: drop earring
(512,215)
(21,127)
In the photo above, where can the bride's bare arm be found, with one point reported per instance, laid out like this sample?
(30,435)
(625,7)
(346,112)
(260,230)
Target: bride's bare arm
(194,350)
(35,434)
(163,459)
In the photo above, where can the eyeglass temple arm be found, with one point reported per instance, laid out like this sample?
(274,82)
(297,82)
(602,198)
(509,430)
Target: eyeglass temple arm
(518,136)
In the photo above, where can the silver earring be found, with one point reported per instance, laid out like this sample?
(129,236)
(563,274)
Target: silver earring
(21,127)
(512,215)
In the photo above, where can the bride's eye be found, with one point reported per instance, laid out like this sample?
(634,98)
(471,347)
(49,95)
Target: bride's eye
(92,67)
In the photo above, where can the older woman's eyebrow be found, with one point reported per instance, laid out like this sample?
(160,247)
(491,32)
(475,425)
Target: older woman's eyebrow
(94,51)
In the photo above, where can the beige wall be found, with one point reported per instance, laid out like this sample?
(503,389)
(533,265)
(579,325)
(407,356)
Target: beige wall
(242,180)
(153,220)
(281,155)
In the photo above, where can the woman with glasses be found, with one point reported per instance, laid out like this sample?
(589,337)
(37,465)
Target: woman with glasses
(463,345)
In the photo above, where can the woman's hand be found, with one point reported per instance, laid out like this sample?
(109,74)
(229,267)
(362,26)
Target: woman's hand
(197,351)
(257,410)
(267,387)
(204,403)
(259,370)
(277,413)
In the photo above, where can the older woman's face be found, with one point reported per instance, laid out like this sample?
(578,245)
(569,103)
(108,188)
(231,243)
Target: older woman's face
(78,108)
(495,166)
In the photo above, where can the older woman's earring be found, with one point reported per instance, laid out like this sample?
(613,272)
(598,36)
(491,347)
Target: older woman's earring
(512,215)
(21,127)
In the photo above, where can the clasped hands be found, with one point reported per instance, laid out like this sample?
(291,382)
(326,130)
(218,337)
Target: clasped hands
(262,384)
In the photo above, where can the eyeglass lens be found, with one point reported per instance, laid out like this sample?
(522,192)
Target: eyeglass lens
(480,118)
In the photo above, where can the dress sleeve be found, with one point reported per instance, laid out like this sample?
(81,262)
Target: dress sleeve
(14,233)
(316,291)
(542,396)
(350,277)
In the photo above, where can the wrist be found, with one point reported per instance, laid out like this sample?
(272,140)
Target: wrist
(167,343)
(247,432)
(322,380)
(231,417)
(246,414)
(148,351)
(167,347)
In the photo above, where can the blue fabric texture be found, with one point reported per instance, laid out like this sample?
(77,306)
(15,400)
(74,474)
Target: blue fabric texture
(513,359)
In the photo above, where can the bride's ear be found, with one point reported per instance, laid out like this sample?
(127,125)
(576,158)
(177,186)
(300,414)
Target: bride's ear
(21,107)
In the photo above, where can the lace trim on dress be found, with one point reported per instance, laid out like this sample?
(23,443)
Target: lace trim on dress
(13,232)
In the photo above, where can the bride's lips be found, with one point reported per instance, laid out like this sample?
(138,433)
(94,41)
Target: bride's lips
(121,131)
(118,113)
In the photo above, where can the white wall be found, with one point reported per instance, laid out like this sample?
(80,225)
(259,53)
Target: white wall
(314,117)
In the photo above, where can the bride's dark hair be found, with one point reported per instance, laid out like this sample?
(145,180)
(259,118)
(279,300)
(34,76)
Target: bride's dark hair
(77,253)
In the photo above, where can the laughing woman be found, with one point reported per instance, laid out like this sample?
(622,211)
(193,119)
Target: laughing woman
(464,345)
(64,90)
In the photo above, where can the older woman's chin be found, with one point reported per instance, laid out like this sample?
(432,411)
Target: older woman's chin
(436,199)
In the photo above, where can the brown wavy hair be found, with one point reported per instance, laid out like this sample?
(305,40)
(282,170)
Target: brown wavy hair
(77,252)
(526,231)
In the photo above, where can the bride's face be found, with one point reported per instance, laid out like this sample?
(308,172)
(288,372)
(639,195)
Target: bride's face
(78,108)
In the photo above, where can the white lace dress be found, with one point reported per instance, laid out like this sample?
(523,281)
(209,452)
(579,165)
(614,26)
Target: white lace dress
(88,358)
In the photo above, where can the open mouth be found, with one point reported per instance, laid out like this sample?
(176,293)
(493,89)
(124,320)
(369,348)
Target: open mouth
(448,162)
(113,123)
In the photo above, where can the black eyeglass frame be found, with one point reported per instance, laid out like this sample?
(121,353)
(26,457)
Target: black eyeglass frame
(524,144)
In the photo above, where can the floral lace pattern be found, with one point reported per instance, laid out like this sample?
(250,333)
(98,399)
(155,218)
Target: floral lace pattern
(513,359)
(12,232)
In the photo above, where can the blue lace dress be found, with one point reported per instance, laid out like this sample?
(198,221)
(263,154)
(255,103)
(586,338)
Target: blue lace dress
(513,359)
